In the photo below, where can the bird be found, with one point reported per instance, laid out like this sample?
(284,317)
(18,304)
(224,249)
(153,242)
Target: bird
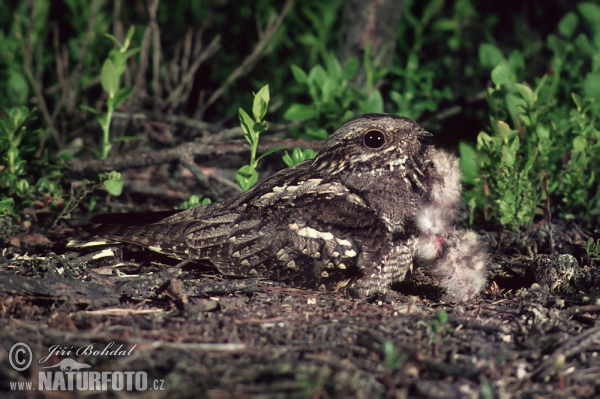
(351,219)
(456,257)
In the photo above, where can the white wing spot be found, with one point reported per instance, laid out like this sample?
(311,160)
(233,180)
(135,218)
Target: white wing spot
(350,253)
(282,255)
(292,265)
(312,233)
(343,242)
(155,248)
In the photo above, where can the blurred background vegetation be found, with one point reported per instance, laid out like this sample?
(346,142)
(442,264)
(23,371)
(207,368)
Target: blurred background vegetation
(513,86)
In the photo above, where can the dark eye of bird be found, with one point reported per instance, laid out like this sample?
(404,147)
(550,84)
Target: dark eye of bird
(374,139)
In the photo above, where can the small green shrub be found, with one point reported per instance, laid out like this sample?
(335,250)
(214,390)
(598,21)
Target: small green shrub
(193,202)
(25,178)
(298,156)
(545,139)
(334,99)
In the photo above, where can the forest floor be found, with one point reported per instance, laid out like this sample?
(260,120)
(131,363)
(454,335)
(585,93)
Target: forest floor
(189,332)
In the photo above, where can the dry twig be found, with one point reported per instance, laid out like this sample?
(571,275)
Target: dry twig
(264,38)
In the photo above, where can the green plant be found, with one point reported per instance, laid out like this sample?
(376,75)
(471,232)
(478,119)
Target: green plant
(592,249)
(247,176)
(544,140)
(298,156)
(413,90)
(110,77)
(333,98)
(193,202)
(392,358)
(26,179)
(112,182)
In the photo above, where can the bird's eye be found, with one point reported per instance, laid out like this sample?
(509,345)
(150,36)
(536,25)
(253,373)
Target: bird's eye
(374,139)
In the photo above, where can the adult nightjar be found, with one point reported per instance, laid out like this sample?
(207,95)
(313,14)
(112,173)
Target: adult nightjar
(377,196)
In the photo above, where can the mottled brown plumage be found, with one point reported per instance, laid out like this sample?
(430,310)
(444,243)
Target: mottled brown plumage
(347,220)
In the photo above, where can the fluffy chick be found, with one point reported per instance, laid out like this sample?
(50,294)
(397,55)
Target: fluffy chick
(455,257)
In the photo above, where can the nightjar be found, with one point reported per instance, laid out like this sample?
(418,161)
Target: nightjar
(377,196)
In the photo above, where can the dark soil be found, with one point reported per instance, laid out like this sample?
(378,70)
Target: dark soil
(534,333)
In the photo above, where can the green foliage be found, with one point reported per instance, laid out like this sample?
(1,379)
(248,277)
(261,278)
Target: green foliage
(110,77)
(111,182)
(554,142)
(592,249)
(414,89)
(392,358)
(298,156)
(26,178)
(333,98)
(193,202)
(247,176)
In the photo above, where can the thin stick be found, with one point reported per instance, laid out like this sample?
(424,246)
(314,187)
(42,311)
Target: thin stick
(251,60)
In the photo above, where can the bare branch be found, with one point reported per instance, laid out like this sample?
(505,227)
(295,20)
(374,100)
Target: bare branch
(184,151)
(177,97)
(251,60)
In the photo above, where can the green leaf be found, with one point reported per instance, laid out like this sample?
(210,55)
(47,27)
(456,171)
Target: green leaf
(525,92)
(114,187)
(468,162)
(568,24)
(374,103)
(350,68)
(258,128)
(490,56)
(127,138)
(317,76)
(89,109)
(114,39)
(578,100)
(299,75)
(109,78)
(542,132)
(503,130)
(579,144)
(129,53)
(246,177)
(103,120)
(270,151)
(484,141)
(299,112)
(591,85)
(119,60)
(128,38)
(334,69)
(261,103)
(113,183)
(6,206)
(536,93)
(247,123)
(590,12)
(122,95)
(501,74)
(508,156)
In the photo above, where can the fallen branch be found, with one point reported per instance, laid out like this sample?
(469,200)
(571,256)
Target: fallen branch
(184,151)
